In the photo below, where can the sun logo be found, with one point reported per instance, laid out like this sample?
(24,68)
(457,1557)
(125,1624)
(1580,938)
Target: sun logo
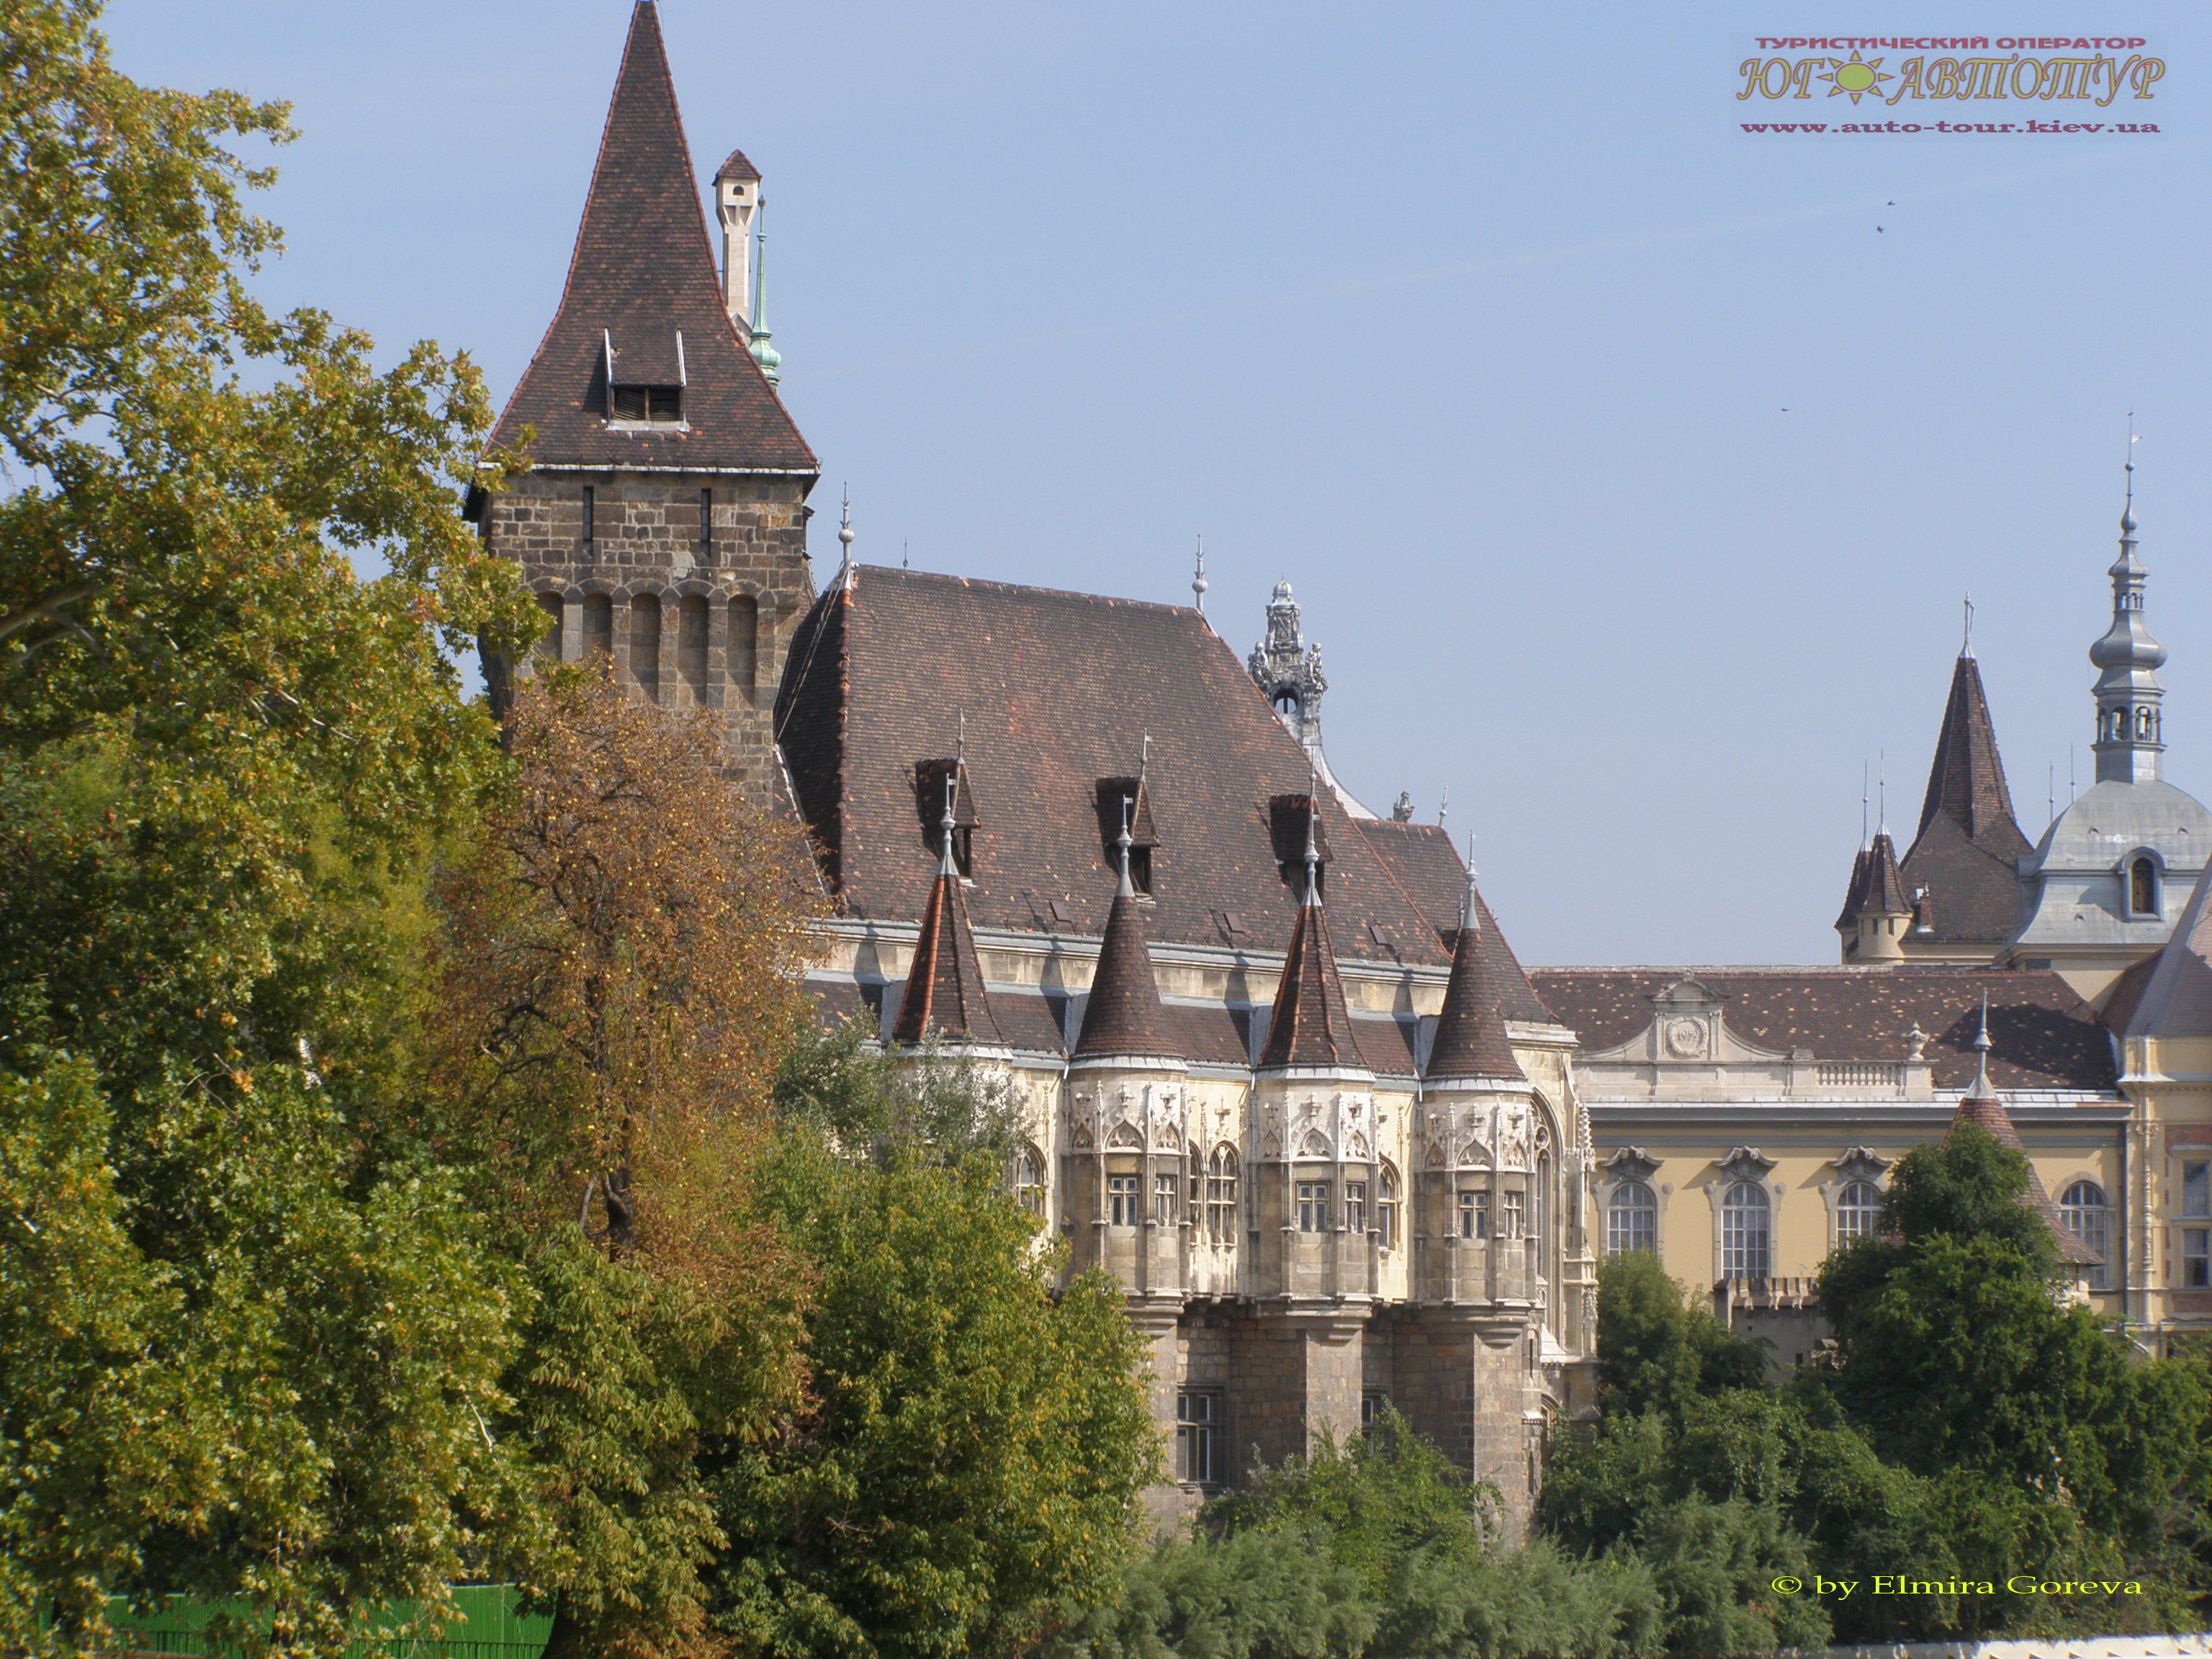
(1853,77)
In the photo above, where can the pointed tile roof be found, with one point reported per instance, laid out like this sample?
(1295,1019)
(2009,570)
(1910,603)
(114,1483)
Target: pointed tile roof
(1966,850)
(1884,893)
(738,167)
(1124,1015)
(643,281)
(1470,1039)
(1311,1025)
(1855,895)
(944,994)
(1981,1108)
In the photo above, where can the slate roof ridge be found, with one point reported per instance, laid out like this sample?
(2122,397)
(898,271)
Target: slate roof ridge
(1470,1038)
(992,585)
(945,992)
(1123,1014)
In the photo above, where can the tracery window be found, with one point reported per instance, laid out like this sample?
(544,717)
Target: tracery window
(1355,1206)
(1632,1219)
(1029,1181)
(1313,1206)
(1221,1196)
(1163,1200)
(1745,1218)
(1386,1208)
(1858,1208)
(2081,1207)
(1121,1200)
(1474,1214)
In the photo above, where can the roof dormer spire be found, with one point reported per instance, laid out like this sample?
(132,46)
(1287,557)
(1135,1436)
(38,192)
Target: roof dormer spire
(2130,734)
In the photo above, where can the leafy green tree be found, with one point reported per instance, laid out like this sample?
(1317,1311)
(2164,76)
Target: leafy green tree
(223,755)
(971,1456)
(1655,1350)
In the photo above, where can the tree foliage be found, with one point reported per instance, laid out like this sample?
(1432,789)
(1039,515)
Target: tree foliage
(974,1441)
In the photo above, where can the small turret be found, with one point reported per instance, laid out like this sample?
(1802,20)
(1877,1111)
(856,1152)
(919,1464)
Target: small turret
(944,994)
(737,197)
(2130,728)
(1884,907)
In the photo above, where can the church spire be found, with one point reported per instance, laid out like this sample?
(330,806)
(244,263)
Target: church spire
(2130,729)
(944,994)
(1470,1039)
(1123,1016)
(1966,783)
(1311,1024)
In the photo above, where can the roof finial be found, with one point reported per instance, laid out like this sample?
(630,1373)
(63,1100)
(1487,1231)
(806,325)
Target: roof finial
(1982,1051)
(1470,915)
(2127,509)
(845,572)
(1967,644)
(1198,583)
(1866,777)
(1127,890)
(960,751)
(945,867)
(1443,807)
(1145,761)
(1881,790)
(769,359)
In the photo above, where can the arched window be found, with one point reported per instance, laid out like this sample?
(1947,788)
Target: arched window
(1029,1179)
(2142,888)
(2083,1208)
(1386,1208)
(1745,1232)
(1858,1208)
(1632,1219)
(1221,1196)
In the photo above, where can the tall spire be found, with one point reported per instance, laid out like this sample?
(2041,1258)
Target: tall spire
(769,359)
(2130,725)
(643,273)
(1470,1039)
(944,994)
(1966,783)
(1311,1024)
(1963,869)
(1123,1016)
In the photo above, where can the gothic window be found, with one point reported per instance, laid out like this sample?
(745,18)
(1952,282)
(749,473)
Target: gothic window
(1121,1200)
(1632,1219)
(1197,1193)
(1509,1215)
(1313,1206)
(1355,1206)
(1163,1200)
(1386,1208)
(1221,1196)
(645,645)
(1745,1220)
(1198,1437)
(2142,888)
(647,403)
(2081,1207)
(691,647)
(1474,1214)
(1029,1181)
(1858,1208)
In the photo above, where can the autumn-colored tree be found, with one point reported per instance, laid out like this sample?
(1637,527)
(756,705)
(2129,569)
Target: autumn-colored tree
(620,974)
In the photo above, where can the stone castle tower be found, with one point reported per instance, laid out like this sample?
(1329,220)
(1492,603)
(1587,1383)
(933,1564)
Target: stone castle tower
(663,521)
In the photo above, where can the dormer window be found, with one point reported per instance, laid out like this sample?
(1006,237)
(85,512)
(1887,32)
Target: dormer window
(1128,800)
(654,404)
(2142,887)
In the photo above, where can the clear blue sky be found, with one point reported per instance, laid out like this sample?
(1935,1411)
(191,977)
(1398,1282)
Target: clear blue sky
(1478,322)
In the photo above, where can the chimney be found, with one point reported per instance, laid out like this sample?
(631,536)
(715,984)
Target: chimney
(737,197)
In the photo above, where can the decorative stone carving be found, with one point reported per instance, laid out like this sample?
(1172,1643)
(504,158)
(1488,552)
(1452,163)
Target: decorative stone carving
(1632,1163)
(1745,1163)
(1863,1164)
(1314,1146)
(1686,1038)
(1285,668)
(1125,1137)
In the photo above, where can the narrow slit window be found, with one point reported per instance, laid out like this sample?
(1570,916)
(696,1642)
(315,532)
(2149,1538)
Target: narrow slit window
(590,528)
(706,527)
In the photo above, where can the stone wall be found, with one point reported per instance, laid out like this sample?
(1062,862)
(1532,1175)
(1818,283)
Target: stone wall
(695,605)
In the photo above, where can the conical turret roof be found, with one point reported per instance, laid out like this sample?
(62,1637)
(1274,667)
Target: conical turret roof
(644,298)
(1311,1024)
(1980,1107)
(1854,895)
(1470,1039)
(1123,1015)
(944,994)
(1884,894)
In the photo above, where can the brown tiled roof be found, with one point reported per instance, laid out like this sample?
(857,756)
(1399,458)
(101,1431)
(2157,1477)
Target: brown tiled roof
(944,994)
(1966,852)
(1123,1016)
(1421,859)
(2045,1035)
(738,167)
(1470,1039)
(1985,1111)
(1884,895)
(2126,994)
(1031,1022)
(1208,1033)
(1387,1046)
(1311,1026)
(1855,895)
(642,272)
(1059,690)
